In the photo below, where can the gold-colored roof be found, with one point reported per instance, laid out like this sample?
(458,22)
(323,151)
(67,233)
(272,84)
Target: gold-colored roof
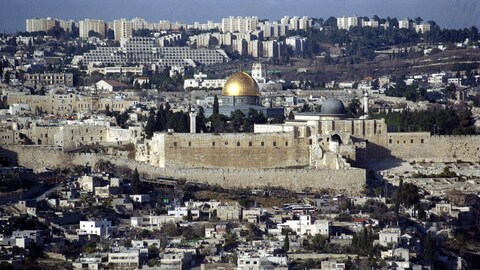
(240,84)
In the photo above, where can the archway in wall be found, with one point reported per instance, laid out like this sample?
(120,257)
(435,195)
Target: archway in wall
(337,138)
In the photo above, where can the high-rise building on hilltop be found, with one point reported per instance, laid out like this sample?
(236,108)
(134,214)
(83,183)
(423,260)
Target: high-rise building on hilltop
(44,24)
(88,25)
(239,24)
(122,29)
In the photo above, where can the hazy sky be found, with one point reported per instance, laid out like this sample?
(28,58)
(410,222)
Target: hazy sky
(447,13)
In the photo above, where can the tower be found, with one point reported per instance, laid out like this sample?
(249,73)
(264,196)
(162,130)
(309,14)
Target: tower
(365,103)
(193,121)
(259,73)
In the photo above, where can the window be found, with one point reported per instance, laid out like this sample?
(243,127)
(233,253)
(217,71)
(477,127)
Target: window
(175,144)
(411,141)
(274,143)
(286,143)
(390,141)
(238,143)
(189,143)
(213,144)
(421,141)
(262,143)
(250,144)
(226,143)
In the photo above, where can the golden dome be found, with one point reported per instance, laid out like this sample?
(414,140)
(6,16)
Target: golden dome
(240,84)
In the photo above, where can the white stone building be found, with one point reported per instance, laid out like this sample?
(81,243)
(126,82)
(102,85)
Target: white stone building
(389,236)
(101,228)
(304,225)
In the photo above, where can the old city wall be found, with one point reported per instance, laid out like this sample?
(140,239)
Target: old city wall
(350,181)
(423,147)
(267,150)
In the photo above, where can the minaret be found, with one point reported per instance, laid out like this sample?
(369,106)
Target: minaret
(193,121)
(365,103)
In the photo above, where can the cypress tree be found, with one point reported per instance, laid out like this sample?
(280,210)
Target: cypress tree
(136,184)
(200,120)
(286,243)
(160,120)
(216,109)
(150,127)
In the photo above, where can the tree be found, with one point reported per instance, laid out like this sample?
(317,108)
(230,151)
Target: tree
(161,119)
(354,109)
(408,195)
(110,34)
(397,198)
(238,118)
(231,241)
(331,21)
(429,247)
(200,120)
(107,110)
(291,116)
(286,243)
(171,229)
(7,77)
(137,187)
(318,242)
(150,126)
(104,166)
(215,105)
(56,32)
(375,84)
(92,33)
(253,117)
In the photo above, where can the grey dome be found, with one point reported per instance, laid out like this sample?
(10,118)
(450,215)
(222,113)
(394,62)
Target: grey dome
(333,106)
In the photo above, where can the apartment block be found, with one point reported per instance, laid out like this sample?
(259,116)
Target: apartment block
(44,24)
(122,29)
(348,22)
(239,24)
(88,25)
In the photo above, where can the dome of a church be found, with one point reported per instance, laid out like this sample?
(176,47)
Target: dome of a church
(333,106)
(240,84)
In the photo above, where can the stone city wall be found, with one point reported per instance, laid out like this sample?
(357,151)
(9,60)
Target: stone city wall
(266,150)
(351,181)
(420,146)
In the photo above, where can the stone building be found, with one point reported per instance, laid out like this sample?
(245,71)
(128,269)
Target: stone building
(49,79)
(70,136)
(67,103)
